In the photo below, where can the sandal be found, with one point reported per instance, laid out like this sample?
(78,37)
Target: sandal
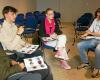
(83,66)
(95,73)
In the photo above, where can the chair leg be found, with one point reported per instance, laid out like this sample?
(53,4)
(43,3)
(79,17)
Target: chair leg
(68,51)
(43,52)
(75,36)
(42,49)
(74,41)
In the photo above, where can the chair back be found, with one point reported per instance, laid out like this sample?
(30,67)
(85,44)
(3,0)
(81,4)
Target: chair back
(30,21)
(40,18)
(19,21)
(1,21)
(85,20)
(37,13)
(57,15)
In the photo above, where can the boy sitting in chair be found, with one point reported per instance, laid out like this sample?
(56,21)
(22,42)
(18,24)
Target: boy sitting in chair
(11,39)
(91,40)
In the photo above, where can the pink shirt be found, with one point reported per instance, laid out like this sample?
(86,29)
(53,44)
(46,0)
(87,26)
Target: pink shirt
(49,27)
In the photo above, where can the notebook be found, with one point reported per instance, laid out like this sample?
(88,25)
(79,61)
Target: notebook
(35,63)
(90,37)
(48,39)
(28,49)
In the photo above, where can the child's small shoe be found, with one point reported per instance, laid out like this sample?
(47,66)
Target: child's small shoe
(65,65)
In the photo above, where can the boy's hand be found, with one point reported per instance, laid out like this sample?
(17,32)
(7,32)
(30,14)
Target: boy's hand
(84,36)
(89,33)
(20,30)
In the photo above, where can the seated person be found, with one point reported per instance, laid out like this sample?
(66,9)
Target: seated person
(91,40)
(10,37)
(49,28)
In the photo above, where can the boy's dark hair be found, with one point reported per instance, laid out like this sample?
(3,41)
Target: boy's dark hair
(48,9)
(7,9)
(97,11)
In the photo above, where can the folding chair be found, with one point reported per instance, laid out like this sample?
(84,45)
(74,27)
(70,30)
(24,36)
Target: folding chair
(1,21)
(36,13)
(82,24)
(30,25)
(41,17)
(20,21)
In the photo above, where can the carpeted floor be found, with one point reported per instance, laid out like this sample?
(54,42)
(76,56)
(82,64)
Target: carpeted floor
(73,74)
(58,72)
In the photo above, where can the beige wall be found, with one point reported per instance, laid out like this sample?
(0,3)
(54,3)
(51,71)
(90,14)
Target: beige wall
(22,5)
(70,9)
(42,5)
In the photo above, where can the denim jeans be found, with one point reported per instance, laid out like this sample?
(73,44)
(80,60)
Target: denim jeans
(97,57)
(83,48)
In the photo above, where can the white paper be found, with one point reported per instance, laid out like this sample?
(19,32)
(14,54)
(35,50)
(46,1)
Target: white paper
(35,63)
(90,37)
(47,39)
(28,49)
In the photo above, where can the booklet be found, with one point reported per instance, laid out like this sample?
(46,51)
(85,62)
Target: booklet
(90,37)
(48,39)
(35,63)
(28,49)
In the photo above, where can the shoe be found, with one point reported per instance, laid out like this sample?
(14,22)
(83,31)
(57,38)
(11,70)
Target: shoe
(95,73)
(65,65)
(83,66)
(58,54)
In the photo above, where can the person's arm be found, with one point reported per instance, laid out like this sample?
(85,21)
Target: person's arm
(89,31)
(20,30)
(84,35)
(94,33)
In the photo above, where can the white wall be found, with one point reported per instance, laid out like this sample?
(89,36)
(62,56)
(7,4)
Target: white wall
(42,5)
(22,5)
(70,9)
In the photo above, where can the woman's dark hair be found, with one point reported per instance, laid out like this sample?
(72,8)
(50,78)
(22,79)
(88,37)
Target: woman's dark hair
(48,9)
(7,9)
(97,11)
